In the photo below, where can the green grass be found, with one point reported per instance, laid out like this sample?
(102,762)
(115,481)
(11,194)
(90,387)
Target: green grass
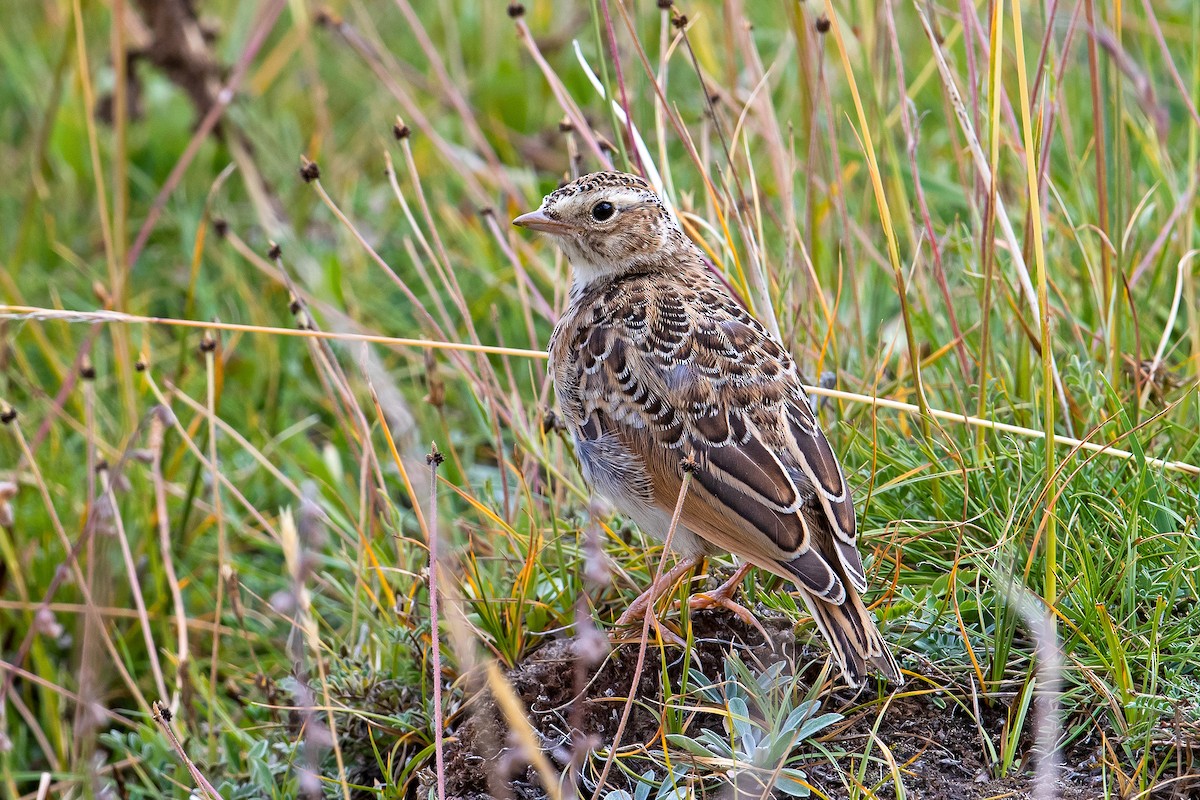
(292,545)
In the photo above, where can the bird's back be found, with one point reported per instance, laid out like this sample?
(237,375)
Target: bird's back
(657,368)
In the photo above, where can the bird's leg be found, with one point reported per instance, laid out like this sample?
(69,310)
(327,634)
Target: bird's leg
(644,603)
(723,596)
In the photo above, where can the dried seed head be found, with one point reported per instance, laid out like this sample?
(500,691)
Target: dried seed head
(310,520)
(7,490)
(552,422)
(309,784)
(516,10)
(46,624)
(437,388)
(325,18)
(208,343)
(283,602)
(680,21)
(309,170)
(596,571)
(7,413)
(665,4)
(220,226)
(140,365)
(275,252)
(233,587)
(565,125)
(591,643)
(91,715)
(86,370)
(163,416)
(400,130)
(689,464)
(103,513)
(434,458)
(319,737)
(823,24)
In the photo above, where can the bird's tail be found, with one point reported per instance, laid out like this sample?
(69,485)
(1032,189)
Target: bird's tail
(857,645)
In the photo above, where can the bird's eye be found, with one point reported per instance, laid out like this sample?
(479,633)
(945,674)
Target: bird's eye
(603,210)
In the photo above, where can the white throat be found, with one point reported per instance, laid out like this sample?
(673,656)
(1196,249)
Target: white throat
(584,270)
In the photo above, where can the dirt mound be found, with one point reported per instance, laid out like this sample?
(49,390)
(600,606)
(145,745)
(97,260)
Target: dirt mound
(936,745)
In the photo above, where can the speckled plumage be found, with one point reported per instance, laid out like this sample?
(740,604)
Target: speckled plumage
(655,363)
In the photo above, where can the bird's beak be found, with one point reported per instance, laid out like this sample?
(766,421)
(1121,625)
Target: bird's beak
(539,221)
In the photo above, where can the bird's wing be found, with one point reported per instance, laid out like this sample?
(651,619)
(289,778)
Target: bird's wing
(677,372)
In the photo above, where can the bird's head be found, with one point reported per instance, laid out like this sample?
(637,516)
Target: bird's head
(608,223)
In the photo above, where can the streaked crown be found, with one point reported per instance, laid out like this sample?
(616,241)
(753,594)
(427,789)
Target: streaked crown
(609,223)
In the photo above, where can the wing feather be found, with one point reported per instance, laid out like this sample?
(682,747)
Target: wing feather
(677,373)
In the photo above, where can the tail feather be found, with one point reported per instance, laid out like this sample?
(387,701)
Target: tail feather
(857,645)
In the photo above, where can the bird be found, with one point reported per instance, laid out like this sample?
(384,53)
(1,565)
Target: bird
(659,371)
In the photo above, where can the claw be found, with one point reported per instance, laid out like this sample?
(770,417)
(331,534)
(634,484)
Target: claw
(722,597)
(666,633)
(643,606)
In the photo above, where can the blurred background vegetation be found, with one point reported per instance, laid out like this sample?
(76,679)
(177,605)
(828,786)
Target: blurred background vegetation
(234,521)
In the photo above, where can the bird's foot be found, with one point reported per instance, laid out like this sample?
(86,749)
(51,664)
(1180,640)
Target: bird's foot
(642,608)
(722,597)
(642,614)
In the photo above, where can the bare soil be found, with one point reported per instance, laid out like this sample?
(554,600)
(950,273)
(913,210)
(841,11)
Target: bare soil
(937,747)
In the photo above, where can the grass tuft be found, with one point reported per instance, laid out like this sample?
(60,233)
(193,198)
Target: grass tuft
(227,568)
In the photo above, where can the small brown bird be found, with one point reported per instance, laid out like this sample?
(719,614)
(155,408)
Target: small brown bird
(658,369)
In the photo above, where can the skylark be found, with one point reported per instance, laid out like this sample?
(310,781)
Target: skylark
(658,370)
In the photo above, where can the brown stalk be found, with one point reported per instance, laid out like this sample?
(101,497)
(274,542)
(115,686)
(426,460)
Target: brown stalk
(191,445)
(757,277)
(115,612)
(69,568)
(334,378)
(225,97)
(981,165)
(1101,158)
(222,540)
(426,248)
(1184,93)
(837,189)
(163,717)
(615,55)
(525,289)
(386,69)
(378,259)
(157,430)
(449,89)
(435,459)
(488,382)
(12,671)
(578,121)
(265,23)
(649,616)
(135,588)
(939,270)
(34,724)
(90,685)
